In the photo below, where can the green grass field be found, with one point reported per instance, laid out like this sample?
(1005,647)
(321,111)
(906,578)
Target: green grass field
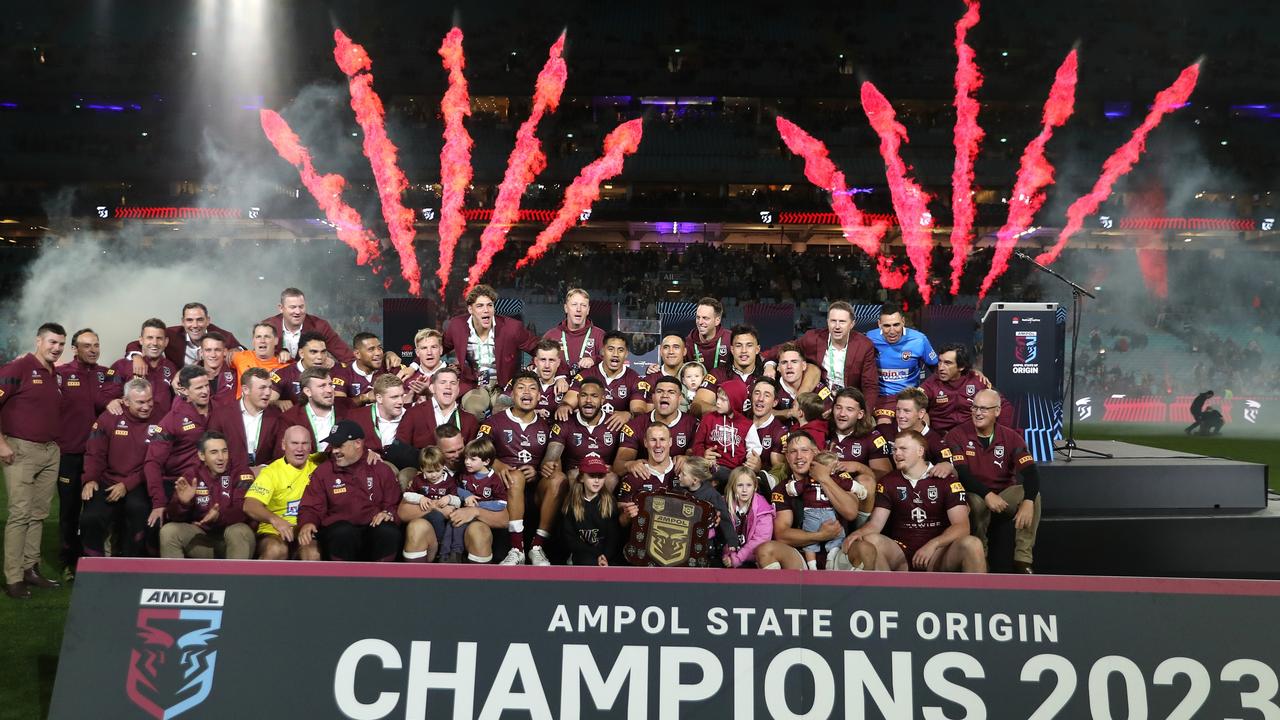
(32,630)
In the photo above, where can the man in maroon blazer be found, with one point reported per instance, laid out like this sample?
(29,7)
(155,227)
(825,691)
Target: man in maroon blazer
(846,356)
(184,340)
(418,426)
(252,426)
(292,321)
(487,347)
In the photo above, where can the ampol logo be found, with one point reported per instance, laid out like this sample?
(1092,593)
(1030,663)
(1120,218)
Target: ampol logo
(171,668)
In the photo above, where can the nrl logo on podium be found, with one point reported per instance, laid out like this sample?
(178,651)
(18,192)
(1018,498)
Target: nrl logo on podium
(670,531)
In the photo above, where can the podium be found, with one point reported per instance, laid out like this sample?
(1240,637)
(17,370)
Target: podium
(1022,355)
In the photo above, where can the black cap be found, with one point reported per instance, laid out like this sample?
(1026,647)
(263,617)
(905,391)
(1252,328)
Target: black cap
(343,431)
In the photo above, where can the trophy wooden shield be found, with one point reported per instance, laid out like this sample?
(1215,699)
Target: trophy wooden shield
(670,531)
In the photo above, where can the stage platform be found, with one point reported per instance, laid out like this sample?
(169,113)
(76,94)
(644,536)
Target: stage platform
(1154,512)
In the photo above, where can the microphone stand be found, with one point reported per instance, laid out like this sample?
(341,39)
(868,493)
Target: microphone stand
(1069,447)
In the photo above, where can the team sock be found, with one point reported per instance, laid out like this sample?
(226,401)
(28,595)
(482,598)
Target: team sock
(539,537)
(772,566)
(480,559)
(516,528)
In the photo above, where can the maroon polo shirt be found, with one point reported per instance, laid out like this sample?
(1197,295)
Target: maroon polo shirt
(996,464)
(81,385)
(30,402)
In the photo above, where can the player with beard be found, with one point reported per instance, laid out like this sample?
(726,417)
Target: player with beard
(159,371)
(902,354)
(80,382)
(184,341)
(1003,484)
(666,411)
(952,388)
(355,380)
(657,472)
(845,356)
(487,347)
(250,425)
(349,506)
(912,413)
(213,359)
(792,372)
(113,492)
(585,433)
(552,383)
(261,355)
(580,342)
(317,412)
(921,521)
(520,437)
(206,514)
(418,428)
(708,343)
(293,321)
(286,385)
(625,390)
(428,352)
(380,422)
(854,438)
(735,377)
(173,451)
(788,531)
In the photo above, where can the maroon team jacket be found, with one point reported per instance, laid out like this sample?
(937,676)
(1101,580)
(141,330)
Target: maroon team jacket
(351,494)
(510,336)
(173,449)
(311,323)
(115,451)
(861,366)
(81,402)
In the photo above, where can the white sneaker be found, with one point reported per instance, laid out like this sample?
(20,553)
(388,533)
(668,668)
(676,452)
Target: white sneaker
(514,557)
(538,557)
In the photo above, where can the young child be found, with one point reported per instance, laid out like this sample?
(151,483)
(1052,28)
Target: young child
(752,516)
(436,492)
(695,479)
(812,406)
(481,487)
(817,509)
(721,438)
(691,375)
(590,518)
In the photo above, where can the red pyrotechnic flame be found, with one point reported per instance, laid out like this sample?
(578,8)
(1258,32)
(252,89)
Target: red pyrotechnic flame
(455,156)
(391,182)
(523,165)
(1035,172)
(326,189)
(1124,158)
(820,171)
(910,201)
(585,189)
(968,136)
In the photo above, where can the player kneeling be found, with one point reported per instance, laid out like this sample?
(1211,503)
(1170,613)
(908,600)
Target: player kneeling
(924,519)
(206,513)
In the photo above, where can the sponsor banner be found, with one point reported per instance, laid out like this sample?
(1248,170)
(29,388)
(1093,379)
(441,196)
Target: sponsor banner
(338,640)
(1239,411)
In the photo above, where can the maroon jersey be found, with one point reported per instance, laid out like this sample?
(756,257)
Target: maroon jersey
(286,382)
(448,485)
(713,353)
(161,377)
(917,513)
(115,451)
(580,440)
(618,391)
(548,398)
(225,490)
(684,428)
(764,440)
(485,488)
(81,402)
(872,446)
(635,484)
(812,495)
(222,385)
(173,449)
(353,494)
(348,380)
(737,385)
(995,463)
(935,451)
(517,443)
(950,402)
(575,345)
(787,399)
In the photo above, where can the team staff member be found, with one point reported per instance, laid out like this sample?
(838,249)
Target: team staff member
(902,354)
(159,371)
(206,514)
(316,411)
(112,489)
(183,341)
(275,496)
(847,358)
(580,341)
(349,506)
(292,322)
(172,452)
(80,381)
(952,388)
(1002,480)
(222,376)
(261,355)
(487,347)
(30,417)
(708,342)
